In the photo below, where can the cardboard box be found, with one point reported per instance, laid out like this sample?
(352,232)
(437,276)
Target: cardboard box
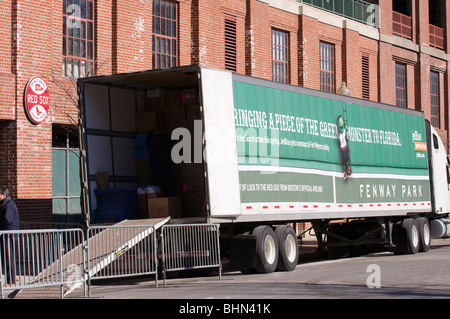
(155,93)
(193,192)
(154,103)
(175,113)
(164,207)
(144,193)
(189,96)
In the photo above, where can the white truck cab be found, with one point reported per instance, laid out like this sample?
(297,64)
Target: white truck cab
(439,173)
(439,163)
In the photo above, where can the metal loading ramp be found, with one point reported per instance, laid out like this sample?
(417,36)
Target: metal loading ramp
(105,244)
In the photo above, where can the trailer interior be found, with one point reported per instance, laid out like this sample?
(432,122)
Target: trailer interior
(129,121)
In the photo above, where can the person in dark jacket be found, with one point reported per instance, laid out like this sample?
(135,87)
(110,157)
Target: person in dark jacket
(9,216)
(9,220)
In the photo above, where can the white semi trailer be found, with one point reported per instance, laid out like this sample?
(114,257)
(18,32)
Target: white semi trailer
(256,156)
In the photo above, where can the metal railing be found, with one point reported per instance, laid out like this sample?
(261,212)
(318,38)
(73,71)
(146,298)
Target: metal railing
(41,258)
(64,258)
(357,10)
(401,25)
(37,225)
(121,251)
(190,246)
(437,37)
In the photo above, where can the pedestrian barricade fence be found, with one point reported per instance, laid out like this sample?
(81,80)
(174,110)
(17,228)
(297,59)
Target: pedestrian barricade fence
(70,258)
(121,251)
(190,246)
(41,258)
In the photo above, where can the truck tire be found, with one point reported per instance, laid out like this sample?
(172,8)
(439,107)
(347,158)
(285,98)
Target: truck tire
(424,234)
(266,249)
(412,235)
(406,237)
(287,248)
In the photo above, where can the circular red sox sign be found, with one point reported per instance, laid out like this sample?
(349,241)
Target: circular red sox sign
(36,100)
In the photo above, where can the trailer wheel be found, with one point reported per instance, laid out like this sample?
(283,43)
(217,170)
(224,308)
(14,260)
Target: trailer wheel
(266,249)
(406,237)
(412,235)
(287,248)
(424,234)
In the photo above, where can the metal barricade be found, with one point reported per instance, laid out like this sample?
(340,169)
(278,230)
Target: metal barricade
(121,251)
(51,258)
(42,258)
(190,246)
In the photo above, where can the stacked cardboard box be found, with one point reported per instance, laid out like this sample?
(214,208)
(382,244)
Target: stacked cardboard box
(144,193)
(164,207)
(161,113)
(192,189)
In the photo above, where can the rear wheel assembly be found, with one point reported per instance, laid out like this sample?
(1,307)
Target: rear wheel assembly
(424,234)
(406,237)
(287,248)
(266,249)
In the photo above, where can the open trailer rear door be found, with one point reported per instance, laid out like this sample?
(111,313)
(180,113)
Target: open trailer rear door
(220,152)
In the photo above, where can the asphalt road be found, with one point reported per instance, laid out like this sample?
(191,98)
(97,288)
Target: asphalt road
(375,276)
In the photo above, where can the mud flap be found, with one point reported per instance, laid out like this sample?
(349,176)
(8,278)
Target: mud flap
(242,252)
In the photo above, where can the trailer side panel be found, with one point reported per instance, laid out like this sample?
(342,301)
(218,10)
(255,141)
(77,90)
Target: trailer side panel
(291,160)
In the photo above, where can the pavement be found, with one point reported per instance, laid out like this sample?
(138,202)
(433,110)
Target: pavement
(115,288)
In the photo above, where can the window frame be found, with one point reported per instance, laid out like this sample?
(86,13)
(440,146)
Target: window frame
(74,17)
(280,55)
(327,67)
(401,92)
(165,51)
(65,142)
(435,106)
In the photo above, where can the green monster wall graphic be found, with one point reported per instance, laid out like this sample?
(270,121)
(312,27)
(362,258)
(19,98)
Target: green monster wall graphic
(345,152)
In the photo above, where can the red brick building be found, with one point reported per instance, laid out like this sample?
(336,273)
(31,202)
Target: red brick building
(395,52)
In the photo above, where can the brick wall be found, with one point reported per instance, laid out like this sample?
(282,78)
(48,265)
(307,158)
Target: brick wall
(31,33)
(7,78)
(419,57)
(31,170)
